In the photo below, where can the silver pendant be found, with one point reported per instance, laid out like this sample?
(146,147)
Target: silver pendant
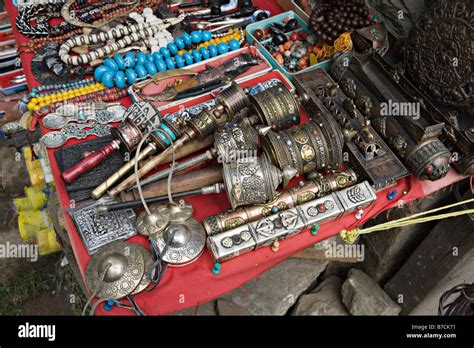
(84,114)
(73,131)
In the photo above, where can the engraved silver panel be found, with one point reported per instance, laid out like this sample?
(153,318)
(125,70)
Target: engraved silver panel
(355,197)
(97,230)
(289,222)
(232,243)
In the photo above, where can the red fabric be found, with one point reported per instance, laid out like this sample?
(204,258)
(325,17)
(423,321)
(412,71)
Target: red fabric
(195,284)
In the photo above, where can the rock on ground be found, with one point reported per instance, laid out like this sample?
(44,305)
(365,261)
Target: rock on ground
(276,290)
(324,300)
(363,296)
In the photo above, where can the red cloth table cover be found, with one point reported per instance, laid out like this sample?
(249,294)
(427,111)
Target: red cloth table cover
(195,284)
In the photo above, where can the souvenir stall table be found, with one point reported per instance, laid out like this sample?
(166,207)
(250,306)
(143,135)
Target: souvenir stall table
(196,283)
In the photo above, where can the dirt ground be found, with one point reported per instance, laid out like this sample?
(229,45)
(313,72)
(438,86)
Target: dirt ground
(34,288)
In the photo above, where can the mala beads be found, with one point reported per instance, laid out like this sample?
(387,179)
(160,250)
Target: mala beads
(129,35)
(329,20)
(103,95)
(39,91)
(33,45)
(37,103)
(90,16)
(41,15)
(120,70)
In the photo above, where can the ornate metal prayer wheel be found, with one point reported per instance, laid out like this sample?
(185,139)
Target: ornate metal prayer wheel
(306,148)
(141,118)
(235,142)
(204,124)
(276,107)
(233,99)
(320,186)
(253,181)
(161,140)
(128,134)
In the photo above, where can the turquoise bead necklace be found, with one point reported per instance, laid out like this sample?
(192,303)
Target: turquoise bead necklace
(121,71)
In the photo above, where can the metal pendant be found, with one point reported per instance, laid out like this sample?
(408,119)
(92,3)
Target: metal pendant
(54,139)
(54,121)
(116,270)
(74,131)
(84,113)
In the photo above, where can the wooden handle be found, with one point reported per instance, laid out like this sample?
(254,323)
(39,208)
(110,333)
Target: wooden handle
(89,162)
(193,146)
(180,183)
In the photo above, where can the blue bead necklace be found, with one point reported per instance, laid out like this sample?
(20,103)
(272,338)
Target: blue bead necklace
(45,90)
(121,71)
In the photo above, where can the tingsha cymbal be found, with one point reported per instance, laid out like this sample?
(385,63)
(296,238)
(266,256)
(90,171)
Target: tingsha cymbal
(186,242)
(115,270)
(146,280)
(180,212)
(156,222)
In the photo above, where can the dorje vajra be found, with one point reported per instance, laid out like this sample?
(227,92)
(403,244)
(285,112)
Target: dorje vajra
(320,186)
(226,245)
